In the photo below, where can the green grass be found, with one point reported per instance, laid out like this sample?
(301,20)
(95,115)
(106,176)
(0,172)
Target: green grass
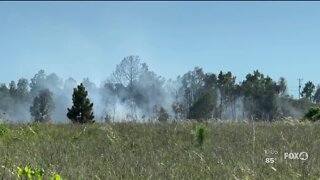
(160,151)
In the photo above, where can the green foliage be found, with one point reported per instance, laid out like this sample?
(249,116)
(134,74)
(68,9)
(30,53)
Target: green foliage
(313,114)
(201,133)
(260,96)
(79,134)
(56,177)
(3,129)
(227,88)
(161,151)
(81,110)
(308,90)
(35,174)
(42,106)
(203,108)
(30,174)
(195,84)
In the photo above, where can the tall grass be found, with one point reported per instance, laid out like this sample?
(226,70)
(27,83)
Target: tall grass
(161,151)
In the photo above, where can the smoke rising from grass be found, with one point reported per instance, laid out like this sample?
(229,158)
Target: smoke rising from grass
(124,96)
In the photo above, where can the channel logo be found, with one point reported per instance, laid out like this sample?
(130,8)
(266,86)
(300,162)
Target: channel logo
(296,156)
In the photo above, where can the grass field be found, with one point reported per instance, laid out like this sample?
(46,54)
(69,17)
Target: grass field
(161,151)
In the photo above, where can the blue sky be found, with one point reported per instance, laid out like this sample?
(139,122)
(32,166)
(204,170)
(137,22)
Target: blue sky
(88,39)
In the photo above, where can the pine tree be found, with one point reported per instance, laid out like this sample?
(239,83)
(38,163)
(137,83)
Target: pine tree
(81,110)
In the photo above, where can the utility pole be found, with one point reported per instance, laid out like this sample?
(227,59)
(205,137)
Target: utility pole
(300,81)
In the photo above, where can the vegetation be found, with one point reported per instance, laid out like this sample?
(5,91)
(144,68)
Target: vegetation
(81,110)
(313,114)
(201,133)
(3,129)
(259,95)
(161,150)
(133,90)
(42,106)
(308,90)
(203,108)
(34,174)
(163,115)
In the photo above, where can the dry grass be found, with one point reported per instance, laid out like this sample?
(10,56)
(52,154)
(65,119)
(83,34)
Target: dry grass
(161,151)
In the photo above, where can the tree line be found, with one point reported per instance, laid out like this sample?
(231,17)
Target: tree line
(134,92)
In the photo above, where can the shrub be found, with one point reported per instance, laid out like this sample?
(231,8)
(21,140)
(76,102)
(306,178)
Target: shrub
(313,114)
(3,129)
(28,173)
(33,174)
(201,133)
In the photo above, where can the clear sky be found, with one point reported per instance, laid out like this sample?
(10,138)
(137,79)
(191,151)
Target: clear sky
(88,39)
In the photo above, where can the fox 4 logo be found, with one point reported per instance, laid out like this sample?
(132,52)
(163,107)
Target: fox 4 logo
(296,156)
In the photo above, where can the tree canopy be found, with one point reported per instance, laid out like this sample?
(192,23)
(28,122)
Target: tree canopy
(133,91)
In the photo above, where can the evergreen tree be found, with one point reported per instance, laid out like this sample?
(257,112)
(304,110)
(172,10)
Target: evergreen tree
(81,110)
(308,90)
(42,106)
(260,96)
